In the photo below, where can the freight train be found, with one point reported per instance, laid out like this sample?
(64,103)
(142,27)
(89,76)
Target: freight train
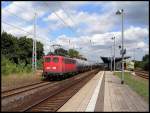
(59,66)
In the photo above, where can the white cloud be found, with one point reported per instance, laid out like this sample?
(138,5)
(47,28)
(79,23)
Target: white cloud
(91,23)
(134,33)
(23,9)
(96,27)
(141,45)
(101,43)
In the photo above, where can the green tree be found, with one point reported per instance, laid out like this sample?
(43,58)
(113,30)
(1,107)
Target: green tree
(26,50)
(145,62)
(60,51)
(19,49)
(50,53)
(73,53)
(145,58)
(40,50)
(9,46)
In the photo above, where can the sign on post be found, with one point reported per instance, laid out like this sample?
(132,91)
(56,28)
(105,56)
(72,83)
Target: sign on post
(122,52)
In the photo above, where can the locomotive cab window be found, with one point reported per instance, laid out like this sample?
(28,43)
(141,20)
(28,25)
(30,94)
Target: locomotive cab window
(55,59)
(47,59)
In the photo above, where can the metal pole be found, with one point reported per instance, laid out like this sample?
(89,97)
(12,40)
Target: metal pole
(134,55)
(114,54)
(35,41)
(122,81)
(33,56)
(111,58)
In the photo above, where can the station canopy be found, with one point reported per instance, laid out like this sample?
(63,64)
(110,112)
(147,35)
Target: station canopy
(117,59)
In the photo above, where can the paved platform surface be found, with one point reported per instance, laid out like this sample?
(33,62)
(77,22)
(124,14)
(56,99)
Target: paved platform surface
(85,98)
(118,97)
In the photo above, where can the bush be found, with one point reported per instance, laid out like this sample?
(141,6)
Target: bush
(144,65)
(28,68)
(8,67)
(40,64)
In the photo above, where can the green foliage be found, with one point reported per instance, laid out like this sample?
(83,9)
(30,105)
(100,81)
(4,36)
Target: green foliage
(146,57)
(50,53)
(8,67)
(40,64)
(138,64)
(17,53)
(73,53)
(61,52)
(144,64)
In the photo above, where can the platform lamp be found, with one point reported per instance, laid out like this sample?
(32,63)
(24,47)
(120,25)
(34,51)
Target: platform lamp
(120,12)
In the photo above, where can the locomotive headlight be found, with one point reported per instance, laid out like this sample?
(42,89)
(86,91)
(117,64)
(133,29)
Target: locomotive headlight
(53,67)
(48,67)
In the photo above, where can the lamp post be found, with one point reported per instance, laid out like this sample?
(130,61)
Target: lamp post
(120,12)
(114,52)
(111,58)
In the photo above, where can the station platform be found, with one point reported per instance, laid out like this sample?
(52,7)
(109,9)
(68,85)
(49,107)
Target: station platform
(105,93)
(120,97)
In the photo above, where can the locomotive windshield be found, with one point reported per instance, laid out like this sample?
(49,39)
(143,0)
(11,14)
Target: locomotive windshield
(47,59)
(55,59)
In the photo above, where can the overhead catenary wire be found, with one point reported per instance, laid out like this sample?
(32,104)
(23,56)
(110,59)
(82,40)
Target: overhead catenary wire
(21,29)
(15,15)
(64,21)
(17,5)
(16,27)
(56,15)
(68,15)
(30,11)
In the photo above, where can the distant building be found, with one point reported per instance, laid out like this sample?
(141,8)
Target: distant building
(118,62)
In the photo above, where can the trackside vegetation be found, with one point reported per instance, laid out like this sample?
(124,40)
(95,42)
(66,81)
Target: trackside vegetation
(140,85)
(144,64)
(16,54)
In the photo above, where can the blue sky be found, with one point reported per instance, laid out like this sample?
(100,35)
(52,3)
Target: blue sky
(94,21)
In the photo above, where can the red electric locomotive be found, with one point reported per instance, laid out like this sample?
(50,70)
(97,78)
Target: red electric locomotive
(58,66)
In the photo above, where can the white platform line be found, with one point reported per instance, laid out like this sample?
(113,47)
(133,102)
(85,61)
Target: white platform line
(92,103)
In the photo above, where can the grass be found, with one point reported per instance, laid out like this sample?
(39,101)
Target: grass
(17,80)
(141,86)
(14,75)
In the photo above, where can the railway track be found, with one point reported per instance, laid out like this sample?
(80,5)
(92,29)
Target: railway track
(15,91)
(49,98)
(44,97)
(54,102)
(142,74)
(7,90)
